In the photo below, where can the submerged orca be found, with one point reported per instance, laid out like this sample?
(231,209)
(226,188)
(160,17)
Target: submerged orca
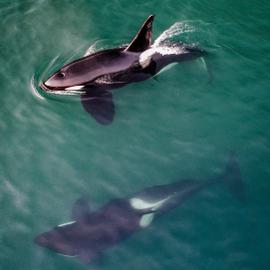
(94,76)
(90,233)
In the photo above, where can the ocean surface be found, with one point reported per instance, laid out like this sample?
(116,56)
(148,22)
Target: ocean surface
(179,125)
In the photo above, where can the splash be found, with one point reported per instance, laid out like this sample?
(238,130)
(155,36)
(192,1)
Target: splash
(34,88)
(103,44)
(47,69)
(192,32)
(93,48)
(175,30)
(167,43)
(36,80)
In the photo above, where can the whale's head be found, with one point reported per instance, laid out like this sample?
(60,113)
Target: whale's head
(57,241)
(71,78)
(69,240)
(81,73)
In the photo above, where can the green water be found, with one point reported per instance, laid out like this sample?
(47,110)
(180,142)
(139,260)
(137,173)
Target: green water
(179,126)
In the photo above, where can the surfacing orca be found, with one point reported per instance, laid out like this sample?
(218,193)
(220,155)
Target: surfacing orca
(94,76)
(92,232)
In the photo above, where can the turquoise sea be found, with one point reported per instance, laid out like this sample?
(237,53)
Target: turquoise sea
(174,127)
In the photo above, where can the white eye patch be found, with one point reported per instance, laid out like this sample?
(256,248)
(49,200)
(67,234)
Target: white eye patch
(67,223)
(75,87)
(146,220)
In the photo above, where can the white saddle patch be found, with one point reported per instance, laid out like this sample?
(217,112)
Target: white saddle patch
(146,220)
(146,56)
(140,204)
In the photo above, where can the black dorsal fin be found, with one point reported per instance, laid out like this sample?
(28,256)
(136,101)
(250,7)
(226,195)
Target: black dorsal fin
(81,209)
(142,40)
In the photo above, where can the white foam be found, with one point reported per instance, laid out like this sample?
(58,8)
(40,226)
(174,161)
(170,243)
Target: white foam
(175,30)
(34,89)
(91,49)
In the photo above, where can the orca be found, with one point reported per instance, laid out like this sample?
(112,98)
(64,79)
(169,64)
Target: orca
(90,233)
(95,75)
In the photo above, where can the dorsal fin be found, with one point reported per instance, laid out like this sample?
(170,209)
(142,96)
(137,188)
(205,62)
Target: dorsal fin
(80,209)
(142,40)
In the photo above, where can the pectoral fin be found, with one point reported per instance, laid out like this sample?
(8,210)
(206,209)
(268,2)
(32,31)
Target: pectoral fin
(100,106)
(86,256)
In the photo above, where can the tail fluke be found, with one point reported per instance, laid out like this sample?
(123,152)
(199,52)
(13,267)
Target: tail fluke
(233,179)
